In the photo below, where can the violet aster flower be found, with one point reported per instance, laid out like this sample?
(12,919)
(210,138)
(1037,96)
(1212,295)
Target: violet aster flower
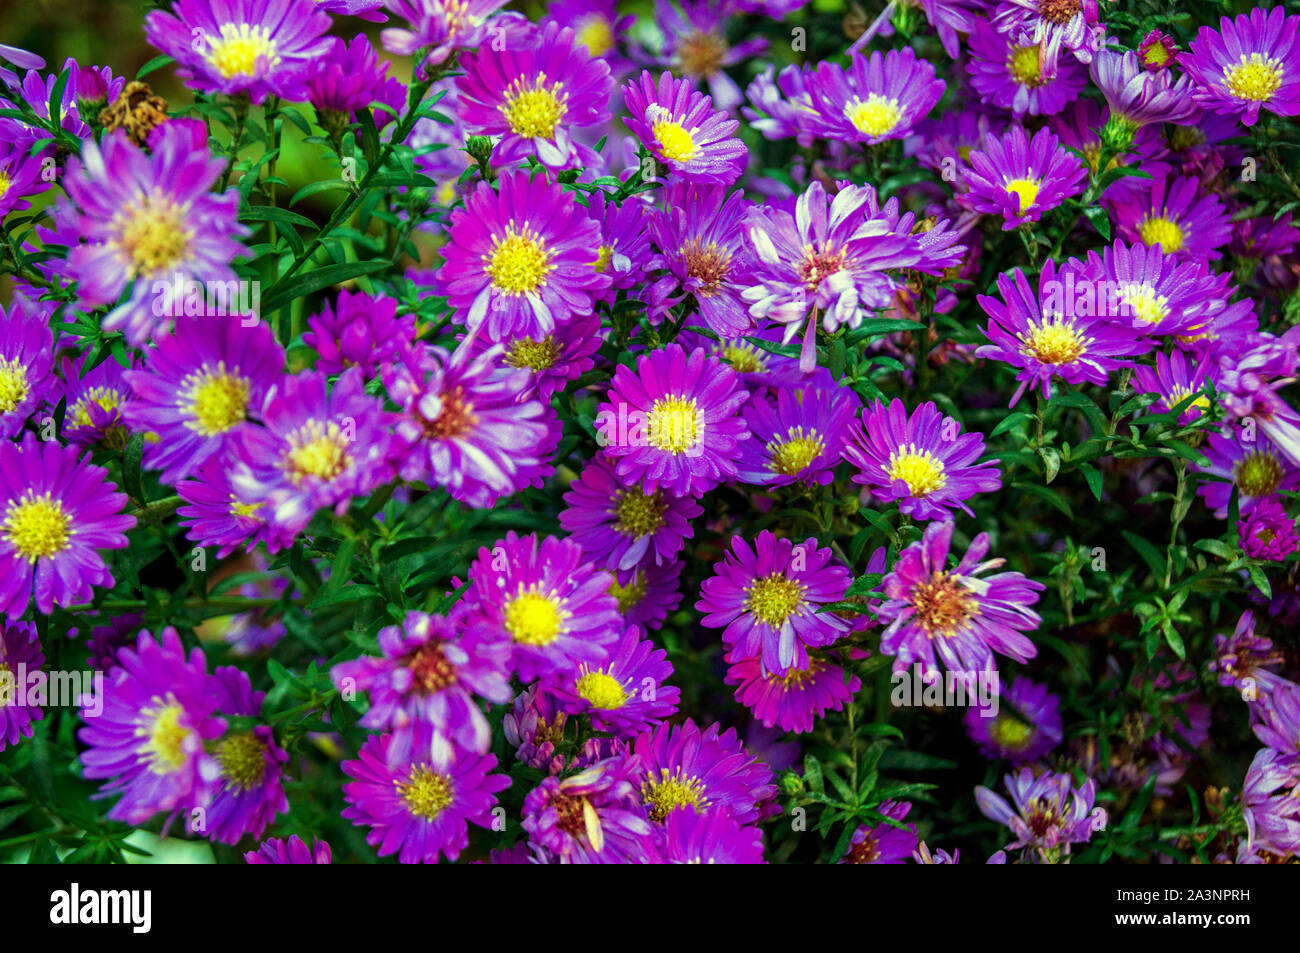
(766,597)
(710,836)
(1176,214)
(533,726)
(1257,468)
(358,331)
(884,843)
(93,403)
(371,10)
(958,616)
(1248,64)
(36,91)
(1277,713)
(20,58)
(26,363)
(593,816)
(791,701)
(877,98)
(420,808)
(542,595)
(781,106)
(290,851)
(1012,77)
(922,460)
(1176,378)
(20,657)
(1044,336)
(646,594)
(1245,659)
(107,640)
(317,447)
(1157,51)
(216,514)
(624,240)
(923,855)
(519,260)
(1080,127)
(696,46)
(465,426)
(620,526)
(347,78)
(700,235)
(1270,804)
(682,766)
(798,436)
(552,362)
(534,94)
(428,675)
(198,388)
(20,177)
(148,218)
(257,47)
(627,694)
(250,791)
(159,712)
(682,130)
(1023,725)
(59,510)
(674,422)
(1048,813)
(444,25)
(1268,532)
(1019,178)
(1056,25)
(1138,97)
(596,25)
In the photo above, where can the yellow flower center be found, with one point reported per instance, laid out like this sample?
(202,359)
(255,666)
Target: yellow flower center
(14,387)
(1010,732)
(796,452)
(106,397)
(317,450)
(672,791)
(1180,394)
(243,760)
(876,117)
(675,425)
(1164,232)
(236,51)
(1258,473)
(603,258)
(214,401)
(519,263)
(533,109)
(919,469)
(245,510)
(152,234)
(941,605)
(596,33)
(773,599)
(1022,64)
(8,688)
(1254,78)
(37,526)
(1026,190)
(675,142)
(164,735)
(1147,306)
(629,596)
(537,356)
(535,619)
(743,357)
(1055,341)
(425,794)
(639,513)
(603,691)
(4,183)
(1155,55)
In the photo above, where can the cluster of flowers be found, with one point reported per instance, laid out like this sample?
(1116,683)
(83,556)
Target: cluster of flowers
(606,232)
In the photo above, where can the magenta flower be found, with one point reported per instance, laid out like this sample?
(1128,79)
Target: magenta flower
(711,836)
(445,26)
(20,657)
(20,176)
(1176,378)
(348,78)
(1257,468)
(791,702)
(552,362)
(884,843)
(26,363)
(1155,293)
(680,766)
(877,98)
(1048,813)
(1023,725)
(1012,76)
(683,131)
(1176,214)
(291,851)
(93,403)
(1268,532)
(626,695)
(1019,178)
(1248,64)
(696,46)
(798,437)
(216,514)
(359,331)
(591,817)
(250,791)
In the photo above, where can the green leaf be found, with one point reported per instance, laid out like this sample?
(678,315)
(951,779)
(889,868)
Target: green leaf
(1010,421)
(1150,555)
(301,285)
(1093,476)
(158,62)
(1099,218)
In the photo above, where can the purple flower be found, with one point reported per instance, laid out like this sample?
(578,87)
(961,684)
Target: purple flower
(924,460)
(554,606)
(593,816)
(1255,467)
(710,836)
(348,77)
(646,594)
(1044,335)
(534,94)
(680,766)
(466,428)
(1276,711)
(563,355)
(884,843)
(695,45)
(420,807)
(597,26)
(1157,51)
(444,25)
(360,331)
(1248,64)
(20,177)
(782,105)
(94,403)
(621,526)
(791,701)
(291,851)
(683,131)
(520,261)
(1054,25)
(1268,532)
(148,218)
(26,363)
(1138,97)
(1024,724)
(627,694)
(1048,813)
(1019,178)
(1011,76)
(250,791)
(198,388)
(624,240)
(107,640)
(1176,378)
(159,712)
(674,421)
(1174,214)
(798,437)
(1244,659)
(959,616)
(59,510)
(1155,293)
(427,677)
(876,99)
(216,514)
(1269,803)
(20,657)
(258,47)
